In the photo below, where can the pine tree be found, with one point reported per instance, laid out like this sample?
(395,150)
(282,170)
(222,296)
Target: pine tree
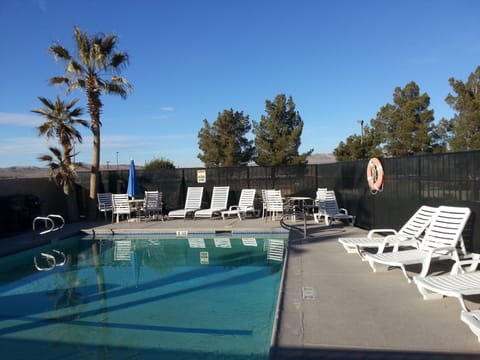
(405,127)
(224,143)
(465,125)
(277,135)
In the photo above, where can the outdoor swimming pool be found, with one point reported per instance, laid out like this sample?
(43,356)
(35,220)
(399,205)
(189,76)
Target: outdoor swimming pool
(142,297)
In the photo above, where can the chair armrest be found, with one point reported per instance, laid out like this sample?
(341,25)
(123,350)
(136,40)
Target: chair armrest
(443,250)
(472,264)
(405,241)
(343,210)
(375,231)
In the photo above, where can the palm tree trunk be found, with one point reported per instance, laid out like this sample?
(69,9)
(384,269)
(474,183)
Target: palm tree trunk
(72,203)
(94,172)
(94,106)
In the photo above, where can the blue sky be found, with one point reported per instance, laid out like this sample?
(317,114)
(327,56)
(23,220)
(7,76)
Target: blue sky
(340,60)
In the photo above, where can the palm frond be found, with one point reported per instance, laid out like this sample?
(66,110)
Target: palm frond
(76,69)
(57,152)
(59,80)
(48,104)
(83,46)
(119,60)
(108,43)
(59,52)
(42,112)
(73,102)
(121,80)
(45,158)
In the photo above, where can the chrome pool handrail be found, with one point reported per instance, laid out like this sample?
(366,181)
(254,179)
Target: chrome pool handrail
(49,222)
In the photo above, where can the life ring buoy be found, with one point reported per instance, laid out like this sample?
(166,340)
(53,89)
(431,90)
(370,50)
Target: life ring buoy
(375,175)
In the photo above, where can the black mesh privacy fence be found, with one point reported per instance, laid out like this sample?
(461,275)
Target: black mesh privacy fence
(443,179)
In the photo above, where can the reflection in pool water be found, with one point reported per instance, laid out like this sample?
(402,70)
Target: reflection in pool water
(131,297)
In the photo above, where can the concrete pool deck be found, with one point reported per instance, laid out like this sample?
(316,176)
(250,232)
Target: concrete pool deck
(349,313)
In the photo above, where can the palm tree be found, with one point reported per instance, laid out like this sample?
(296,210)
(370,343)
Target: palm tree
(62,171)
(96,60)
(61,121)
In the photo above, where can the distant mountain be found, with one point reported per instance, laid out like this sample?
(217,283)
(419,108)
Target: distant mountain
(22,172)
(17,172)
(320,159)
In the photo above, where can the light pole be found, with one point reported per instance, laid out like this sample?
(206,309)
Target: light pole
(117,160)
(361,126)
(361,139)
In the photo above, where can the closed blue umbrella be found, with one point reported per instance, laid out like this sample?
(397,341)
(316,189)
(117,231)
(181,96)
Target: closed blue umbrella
(132,188)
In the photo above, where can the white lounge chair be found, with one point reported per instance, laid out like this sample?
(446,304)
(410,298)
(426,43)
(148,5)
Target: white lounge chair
(458,283)
(218,203)
(440,242)
(105,203)
(193,202)
(330,210)
(381,238)
(121,206)
(472,319)
(245,205)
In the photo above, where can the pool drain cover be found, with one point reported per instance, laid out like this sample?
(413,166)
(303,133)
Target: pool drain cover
(308,293)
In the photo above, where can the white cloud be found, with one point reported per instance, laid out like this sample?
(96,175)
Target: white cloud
(167,108)
(24,151)
(23,120)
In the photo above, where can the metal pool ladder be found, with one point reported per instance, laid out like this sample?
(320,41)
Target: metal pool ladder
(49,223)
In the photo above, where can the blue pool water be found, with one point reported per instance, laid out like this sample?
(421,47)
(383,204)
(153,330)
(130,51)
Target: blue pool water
(141,298)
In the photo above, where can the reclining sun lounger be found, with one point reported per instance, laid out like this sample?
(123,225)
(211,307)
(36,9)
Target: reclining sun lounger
(407,235)
(193,202)
(457,283)
(472,319)
(330,211)
(218,203)
(440,242)
(245,204)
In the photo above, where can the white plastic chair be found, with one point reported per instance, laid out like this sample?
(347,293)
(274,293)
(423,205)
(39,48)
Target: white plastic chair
(330,211)
(472,319)
(193,202)
(218,203)
(245,205)
(378,238)
(274,203)
(320,197)
(463,280)
(153,203)
(440,241)
(121,206)
(105,203)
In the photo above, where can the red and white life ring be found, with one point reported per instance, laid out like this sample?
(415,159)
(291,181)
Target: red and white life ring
(375,175)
